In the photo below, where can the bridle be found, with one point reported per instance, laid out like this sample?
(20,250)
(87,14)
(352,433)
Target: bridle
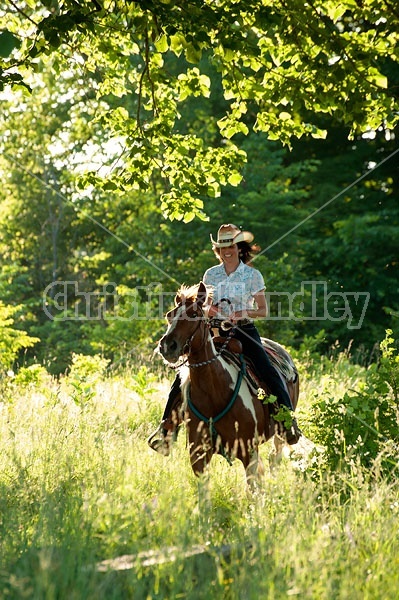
(187,345)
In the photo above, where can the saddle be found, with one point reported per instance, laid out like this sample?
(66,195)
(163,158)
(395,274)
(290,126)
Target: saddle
(278,356)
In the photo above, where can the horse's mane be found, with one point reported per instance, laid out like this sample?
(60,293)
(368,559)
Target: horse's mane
(188,293)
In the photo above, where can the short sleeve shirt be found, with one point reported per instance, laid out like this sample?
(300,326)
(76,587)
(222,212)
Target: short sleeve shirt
(239,287)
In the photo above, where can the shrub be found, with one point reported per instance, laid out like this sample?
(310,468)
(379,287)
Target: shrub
(85,373)
(362,425)
(11,340)
(35,376)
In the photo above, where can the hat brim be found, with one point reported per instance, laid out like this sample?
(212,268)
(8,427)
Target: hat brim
(240,236)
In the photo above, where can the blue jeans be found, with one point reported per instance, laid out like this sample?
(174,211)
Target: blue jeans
(252,348)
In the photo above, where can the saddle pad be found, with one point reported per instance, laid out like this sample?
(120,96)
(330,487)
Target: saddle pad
(280,359)
(278,356)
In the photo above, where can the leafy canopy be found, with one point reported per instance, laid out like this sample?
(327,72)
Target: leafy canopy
(280,64)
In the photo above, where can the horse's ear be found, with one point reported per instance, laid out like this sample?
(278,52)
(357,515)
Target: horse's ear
(177,299)
(202,293)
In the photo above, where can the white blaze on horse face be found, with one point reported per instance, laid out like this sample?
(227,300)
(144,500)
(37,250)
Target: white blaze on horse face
(245,393)
(179,315)
(172,326)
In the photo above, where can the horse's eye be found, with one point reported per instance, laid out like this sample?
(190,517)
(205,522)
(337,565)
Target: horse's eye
(194,315)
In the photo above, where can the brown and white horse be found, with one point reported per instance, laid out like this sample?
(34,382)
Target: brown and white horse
(222,410)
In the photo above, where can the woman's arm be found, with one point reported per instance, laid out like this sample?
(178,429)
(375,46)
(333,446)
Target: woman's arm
(260,309)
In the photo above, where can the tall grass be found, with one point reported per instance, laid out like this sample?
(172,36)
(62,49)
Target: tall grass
(79,486)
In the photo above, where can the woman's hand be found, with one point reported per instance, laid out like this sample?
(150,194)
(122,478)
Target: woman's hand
(237,316)
(213,312)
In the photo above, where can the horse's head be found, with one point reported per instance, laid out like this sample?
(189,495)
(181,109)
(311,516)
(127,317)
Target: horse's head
(184,320)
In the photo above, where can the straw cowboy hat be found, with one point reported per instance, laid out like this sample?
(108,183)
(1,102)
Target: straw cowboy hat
(230,234)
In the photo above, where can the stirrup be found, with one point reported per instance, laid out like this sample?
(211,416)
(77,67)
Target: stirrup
(291,434)
(159,442)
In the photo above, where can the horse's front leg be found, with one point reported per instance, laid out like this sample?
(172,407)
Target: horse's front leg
(201,452)
(276,453)
(201,449)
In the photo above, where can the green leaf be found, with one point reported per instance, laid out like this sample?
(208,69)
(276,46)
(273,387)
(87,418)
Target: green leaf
(335,11)
(213,190)
(235,179)
(319,134)
(8,42)
(188,217)
(157,60)
(377,78)
(162,43)
(193,55)
(229,55)
(177,43)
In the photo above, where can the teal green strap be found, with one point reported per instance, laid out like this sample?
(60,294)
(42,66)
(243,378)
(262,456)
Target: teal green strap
(224,412)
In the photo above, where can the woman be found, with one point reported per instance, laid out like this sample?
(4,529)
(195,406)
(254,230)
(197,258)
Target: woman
(239,289)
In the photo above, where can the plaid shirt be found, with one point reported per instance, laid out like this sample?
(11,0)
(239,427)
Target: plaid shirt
(239,287)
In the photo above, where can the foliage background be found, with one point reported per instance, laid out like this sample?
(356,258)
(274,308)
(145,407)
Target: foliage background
(130,131)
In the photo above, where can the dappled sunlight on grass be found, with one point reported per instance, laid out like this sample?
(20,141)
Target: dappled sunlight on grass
(79,486)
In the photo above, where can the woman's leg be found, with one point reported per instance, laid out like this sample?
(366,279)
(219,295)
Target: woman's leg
(253,349)
(175,390)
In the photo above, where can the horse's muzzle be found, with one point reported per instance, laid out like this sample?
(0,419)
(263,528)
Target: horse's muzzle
(169,349)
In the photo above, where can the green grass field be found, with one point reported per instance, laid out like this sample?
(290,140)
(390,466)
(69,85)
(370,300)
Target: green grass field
(79,487)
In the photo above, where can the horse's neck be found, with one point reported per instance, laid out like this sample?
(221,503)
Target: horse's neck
(202,349)
(209,374)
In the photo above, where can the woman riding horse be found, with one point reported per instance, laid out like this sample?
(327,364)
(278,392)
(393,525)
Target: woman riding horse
(238,285)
